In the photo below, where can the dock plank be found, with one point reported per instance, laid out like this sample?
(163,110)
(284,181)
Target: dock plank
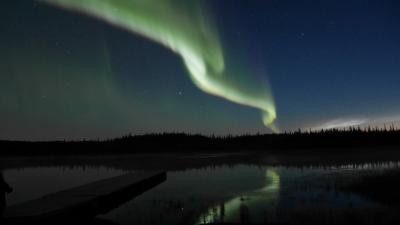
(85,201)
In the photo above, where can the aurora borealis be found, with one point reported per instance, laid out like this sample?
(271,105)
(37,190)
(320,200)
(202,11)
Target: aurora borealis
(184,29)
(74,69)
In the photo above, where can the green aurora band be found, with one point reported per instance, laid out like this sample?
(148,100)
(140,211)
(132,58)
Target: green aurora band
(182,27)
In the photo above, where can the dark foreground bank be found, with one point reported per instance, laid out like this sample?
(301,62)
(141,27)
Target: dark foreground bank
(332,141)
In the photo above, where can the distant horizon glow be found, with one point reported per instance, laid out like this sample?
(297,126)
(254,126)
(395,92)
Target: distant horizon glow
(380,122)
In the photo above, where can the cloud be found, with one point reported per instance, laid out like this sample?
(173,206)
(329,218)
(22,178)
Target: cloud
(363,122)
(341,123)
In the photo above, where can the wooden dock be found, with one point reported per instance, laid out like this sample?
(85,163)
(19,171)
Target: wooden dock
(83,202)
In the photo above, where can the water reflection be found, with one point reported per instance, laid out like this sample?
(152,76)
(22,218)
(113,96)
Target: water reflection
(239,207)
(212,191)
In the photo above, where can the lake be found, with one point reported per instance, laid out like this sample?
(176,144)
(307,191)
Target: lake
(216,188)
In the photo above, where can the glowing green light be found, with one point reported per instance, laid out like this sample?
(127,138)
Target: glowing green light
(181,26)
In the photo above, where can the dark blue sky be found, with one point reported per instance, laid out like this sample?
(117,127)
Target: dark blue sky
(325,59)
(66,75)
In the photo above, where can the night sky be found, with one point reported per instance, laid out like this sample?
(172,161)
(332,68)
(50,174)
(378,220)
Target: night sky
(74,69)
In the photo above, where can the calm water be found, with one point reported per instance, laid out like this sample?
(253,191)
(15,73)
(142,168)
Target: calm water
(226,192)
